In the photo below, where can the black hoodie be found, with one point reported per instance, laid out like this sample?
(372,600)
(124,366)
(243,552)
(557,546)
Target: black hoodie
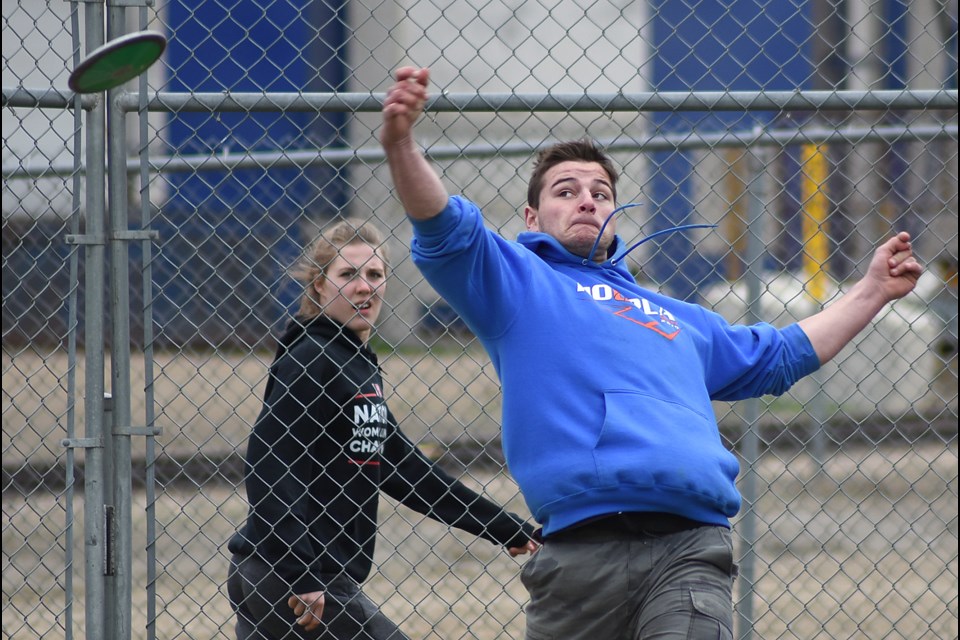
(323,447)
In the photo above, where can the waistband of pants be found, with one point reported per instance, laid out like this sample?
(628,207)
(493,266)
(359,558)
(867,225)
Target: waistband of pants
(626,525)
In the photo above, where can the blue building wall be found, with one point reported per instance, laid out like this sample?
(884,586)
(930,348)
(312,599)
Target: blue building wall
(743,45)
(228,236)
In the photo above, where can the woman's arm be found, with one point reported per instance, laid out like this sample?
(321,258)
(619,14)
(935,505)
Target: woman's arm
(417,483)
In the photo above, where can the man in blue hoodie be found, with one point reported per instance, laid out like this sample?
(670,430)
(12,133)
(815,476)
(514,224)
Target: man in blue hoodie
(608,426)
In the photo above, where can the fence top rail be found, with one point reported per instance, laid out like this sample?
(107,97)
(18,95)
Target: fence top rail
(47,98)
(510,102)
(559,102)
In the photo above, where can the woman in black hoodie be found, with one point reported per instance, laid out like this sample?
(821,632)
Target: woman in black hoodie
(322,449)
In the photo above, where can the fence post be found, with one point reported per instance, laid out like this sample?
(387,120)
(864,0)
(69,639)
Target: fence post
(121,478)
(109,552)
(94,510)
(753,257)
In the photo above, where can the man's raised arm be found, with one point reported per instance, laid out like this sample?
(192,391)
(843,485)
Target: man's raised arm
(417,184)
(892,274)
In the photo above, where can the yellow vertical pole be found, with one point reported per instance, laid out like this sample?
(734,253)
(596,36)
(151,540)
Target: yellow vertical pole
(734,224)
(814,217)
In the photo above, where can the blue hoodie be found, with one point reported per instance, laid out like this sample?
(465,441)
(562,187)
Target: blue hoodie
(607,386)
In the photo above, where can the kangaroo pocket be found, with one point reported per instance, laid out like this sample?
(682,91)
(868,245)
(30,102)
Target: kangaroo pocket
(650,442)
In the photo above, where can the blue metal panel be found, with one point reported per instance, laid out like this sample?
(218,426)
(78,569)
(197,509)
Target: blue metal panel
(895,50)
(713,46)
(227,236)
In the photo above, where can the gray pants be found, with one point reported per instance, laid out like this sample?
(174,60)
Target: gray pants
(259,599)
(597,586)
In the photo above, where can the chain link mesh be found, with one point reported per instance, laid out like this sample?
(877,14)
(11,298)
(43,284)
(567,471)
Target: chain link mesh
(849,528)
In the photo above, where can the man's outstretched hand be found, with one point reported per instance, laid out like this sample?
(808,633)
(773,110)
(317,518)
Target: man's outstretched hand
(893,273)
(403,105)
(894,270)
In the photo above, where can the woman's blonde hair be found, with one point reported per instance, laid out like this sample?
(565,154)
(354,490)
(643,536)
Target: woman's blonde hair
(312,266)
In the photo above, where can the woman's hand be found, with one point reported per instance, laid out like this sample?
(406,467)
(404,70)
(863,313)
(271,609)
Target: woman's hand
(531,547)
(308,608)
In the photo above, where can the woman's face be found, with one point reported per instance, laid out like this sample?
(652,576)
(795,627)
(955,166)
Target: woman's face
(352,289)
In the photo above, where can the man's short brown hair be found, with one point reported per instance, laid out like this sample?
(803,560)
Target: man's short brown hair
(583,150)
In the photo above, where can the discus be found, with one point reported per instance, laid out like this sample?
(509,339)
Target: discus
(117,61)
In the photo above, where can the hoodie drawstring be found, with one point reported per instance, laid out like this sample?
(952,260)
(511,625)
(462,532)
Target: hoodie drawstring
(604,226)
(682,227)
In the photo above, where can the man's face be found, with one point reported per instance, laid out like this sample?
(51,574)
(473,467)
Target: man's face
(351,293)
(576,199)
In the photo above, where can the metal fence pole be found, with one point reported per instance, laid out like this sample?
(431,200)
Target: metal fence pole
(120,348)
(109,552)
(94,269)
(753,254)
(72,326)
(149,399)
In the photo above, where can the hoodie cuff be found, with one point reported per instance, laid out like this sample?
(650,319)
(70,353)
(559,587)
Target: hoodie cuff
(517,535)
(803,355)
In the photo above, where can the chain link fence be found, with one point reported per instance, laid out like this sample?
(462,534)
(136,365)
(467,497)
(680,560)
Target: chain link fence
(148,232)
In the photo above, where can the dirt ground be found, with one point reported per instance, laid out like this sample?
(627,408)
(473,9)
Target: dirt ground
(865,547)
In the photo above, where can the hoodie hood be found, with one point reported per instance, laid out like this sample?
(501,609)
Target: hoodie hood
(550,250)
(539,243)
(321,326)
